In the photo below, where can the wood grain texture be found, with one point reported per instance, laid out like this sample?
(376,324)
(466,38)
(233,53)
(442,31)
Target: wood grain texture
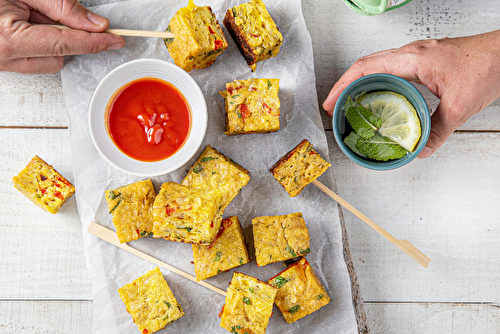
(51,317)
(402,244)
(45,317)
(446,204)
(418,318)
(31,100)
(357,295)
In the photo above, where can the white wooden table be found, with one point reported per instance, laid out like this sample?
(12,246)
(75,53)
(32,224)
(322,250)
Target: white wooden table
(447,205)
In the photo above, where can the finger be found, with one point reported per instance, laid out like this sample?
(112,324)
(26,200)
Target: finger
(40,41)
(362,67)
(338,88)
(37,17)
(442,126)
(33,65)
(390,61)
(70,13)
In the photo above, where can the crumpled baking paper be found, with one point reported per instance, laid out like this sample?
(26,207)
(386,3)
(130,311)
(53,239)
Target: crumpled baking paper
(109,267)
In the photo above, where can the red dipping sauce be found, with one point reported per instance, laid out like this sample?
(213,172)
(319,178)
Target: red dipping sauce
(148,119)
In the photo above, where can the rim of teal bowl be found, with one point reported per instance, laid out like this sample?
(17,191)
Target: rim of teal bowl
(382,81)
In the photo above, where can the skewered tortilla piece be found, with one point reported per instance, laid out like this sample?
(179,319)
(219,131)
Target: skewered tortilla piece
(43,185)
(253,31)
(299,167)
(252,106)
(280,238)
(186,214)
(150,302)
(248,305)
(199,39)
(227,251)
(214,172)
(300,291)
(132,209)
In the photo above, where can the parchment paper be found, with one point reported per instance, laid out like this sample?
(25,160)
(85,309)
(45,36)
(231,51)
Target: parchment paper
(109,267)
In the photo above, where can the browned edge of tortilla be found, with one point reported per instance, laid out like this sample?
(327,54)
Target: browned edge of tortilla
(239,38)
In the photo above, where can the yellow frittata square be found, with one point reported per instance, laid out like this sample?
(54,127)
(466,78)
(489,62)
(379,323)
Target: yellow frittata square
(186,214)
(279,238)
(199,39)
(214,172)
(150,302)
(227,251)
(300,291)
(252,106)
(132,209)
(248,305)
(43,185)
(299,167)
(254,31)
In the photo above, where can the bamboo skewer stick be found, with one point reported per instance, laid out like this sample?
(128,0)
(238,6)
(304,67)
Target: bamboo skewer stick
(127,32)
(402,244)
(107,235)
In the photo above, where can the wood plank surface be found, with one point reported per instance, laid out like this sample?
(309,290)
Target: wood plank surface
(46,317)
(446,205)
(42,254)
(31,100)
(51,317)
(424,318)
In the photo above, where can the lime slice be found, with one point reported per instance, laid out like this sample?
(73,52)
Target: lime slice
(400,121)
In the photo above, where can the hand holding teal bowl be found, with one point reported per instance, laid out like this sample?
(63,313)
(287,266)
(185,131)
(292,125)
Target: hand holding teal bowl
(373,83)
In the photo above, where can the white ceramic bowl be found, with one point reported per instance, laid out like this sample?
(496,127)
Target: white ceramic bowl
(137,69)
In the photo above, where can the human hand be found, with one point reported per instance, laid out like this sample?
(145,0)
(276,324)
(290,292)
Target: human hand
(28,48)
(464,73)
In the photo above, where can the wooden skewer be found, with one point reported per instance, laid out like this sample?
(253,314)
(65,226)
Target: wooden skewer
(404,245)
(126,32)
(107,235)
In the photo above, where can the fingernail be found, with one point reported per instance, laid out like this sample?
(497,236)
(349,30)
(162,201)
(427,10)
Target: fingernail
(426,152)
(115,46)
(96,19)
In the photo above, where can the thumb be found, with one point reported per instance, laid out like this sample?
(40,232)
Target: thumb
(42,40)
(442,126)
(70,13)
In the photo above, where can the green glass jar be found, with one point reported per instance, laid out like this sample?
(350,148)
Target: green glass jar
(374,7)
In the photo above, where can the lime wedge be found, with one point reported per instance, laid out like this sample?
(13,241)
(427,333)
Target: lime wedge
(400,121)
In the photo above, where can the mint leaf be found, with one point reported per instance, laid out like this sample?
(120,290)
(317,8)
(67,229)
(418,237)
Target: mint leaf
(379,148)
(362,120)
(351,141)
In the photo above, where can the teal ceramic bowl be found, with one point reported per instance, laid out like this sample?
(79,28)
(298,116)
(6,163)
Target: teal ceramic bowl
(373,83)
